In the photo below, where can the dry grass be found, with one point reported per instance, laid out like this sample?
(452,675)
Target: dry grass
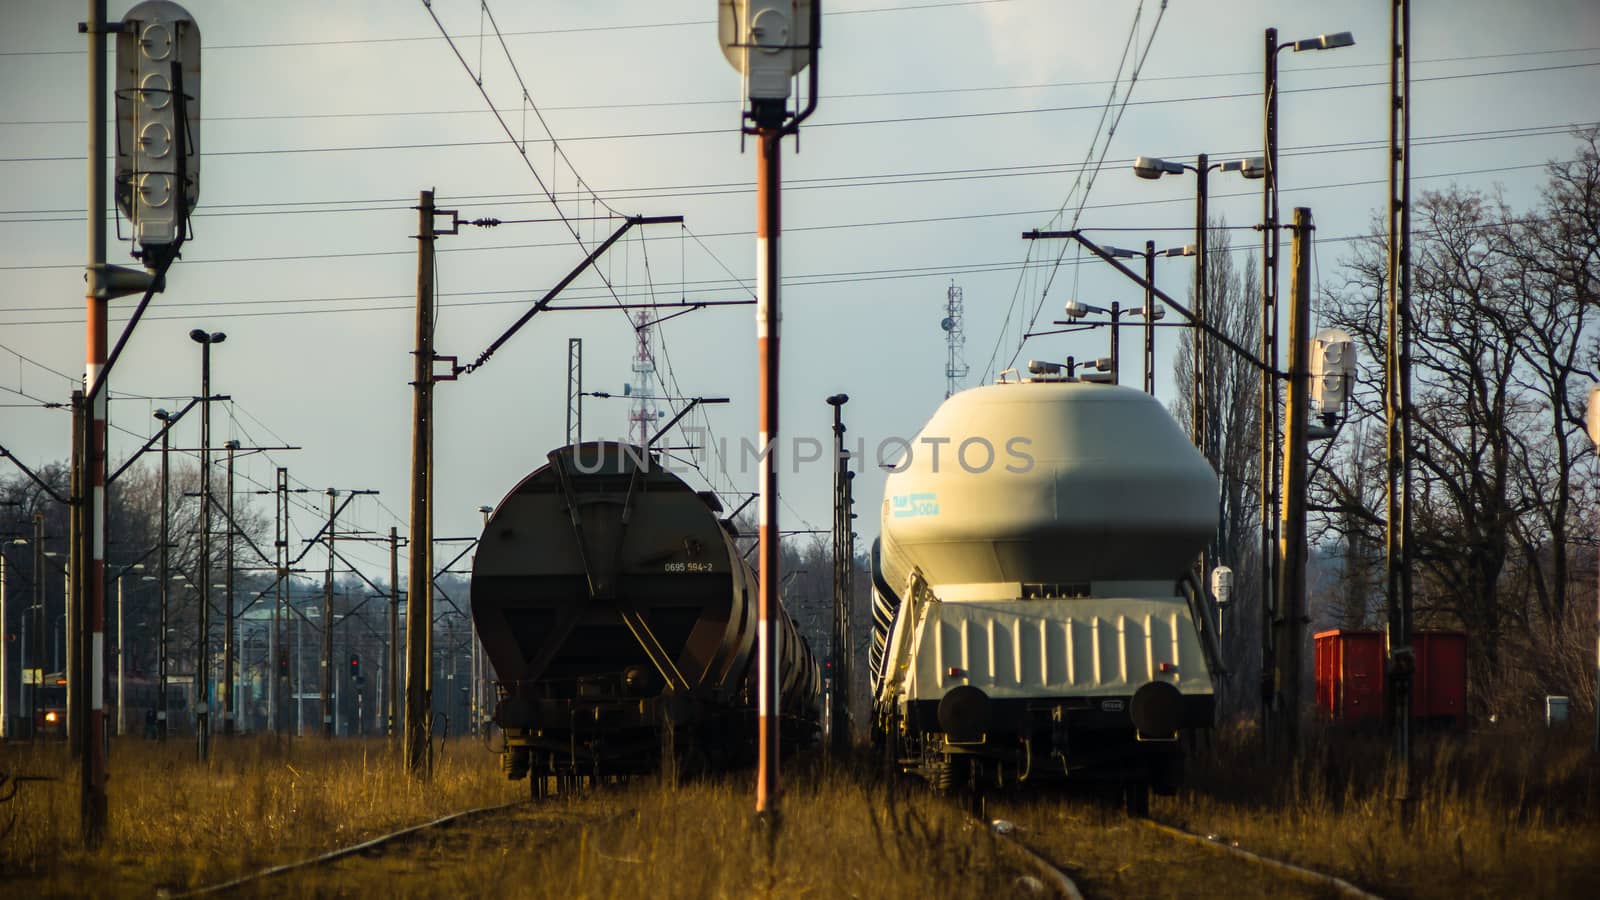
(1509,814)
(840,836)
(176,823)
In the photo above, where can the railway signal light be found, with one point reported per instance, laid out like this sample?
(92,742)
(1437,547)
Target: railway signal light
(283,663)
(158,124)
(355,665)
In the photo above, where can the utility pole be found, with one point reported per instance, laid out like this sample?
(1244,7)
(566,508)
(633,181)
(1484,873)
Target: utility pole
(166,574)
(229,650)
(1150,318)
(1292,527)
(842,653)
(202,675)
(5,640)
(275,644)
(1269,386)
(1116,342)
(37,656)
(80,531)
(327,621)
(419,605)
(392,666)
(1197,402)
(1397,395)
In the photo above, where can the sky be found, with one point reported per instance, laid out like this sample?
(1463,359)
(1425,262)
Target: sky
(943,130)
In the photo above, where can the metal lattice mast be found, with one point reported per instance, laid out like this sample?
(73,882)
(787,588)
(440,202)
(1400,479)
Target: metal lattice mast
(641,420)
(955,340)
(1397,388)
(574,390)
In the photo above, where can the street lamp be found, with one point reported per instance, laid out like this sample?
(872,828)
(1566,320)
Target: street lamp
(1112,364)
(1150,312)
(202,677)
(1152,167)
(1269,347)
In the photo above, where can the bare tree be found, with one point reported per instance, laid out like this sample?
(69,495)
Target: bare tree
(1232,388)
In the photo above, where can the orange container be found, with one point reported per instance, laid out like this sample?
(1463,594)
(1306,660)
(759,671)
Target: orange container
(1350,668)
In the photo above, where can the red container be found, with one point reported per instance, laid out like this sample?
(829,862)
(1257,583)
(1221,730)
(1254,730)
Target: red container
(1350,667)
(1439,690)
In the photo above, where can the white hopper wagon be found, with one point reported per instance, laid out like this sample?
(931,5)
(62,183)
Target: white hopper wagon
(1038,613)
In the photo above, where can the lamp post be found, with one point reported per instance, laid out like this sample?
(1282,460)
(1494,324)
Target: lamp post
(229,650)
(1150,312)
(1269,348)
(1075,311)
(1151,167)
(202,725)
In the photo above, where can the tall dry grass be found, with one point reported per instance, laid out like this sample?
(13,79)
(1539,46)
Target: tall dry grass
(842,834)
(260,800)
(1492,815)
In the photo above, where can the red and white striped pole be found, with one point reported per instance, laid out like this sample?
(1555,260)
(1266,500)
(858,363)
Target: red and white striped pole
(768,318)
(94,812)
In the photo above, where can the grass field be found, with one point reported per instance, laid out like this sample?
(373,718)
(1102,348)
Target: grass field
(1493,815)
(176,823)
(1508,814)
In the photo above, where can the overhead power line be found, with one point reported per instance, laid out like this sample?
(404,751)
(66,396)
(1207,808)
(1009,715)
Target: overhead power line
(579,29)
(851,123)
(857,95)
(876,223)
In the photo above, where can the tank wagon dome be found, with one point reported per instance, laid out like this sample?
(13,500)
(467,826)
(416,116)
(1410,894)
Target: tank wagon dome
(1054,483)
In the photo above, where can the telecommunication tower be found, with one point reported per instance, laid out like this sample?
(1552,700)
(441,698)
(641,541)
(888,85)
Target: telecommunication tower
(642,418)
(955,340)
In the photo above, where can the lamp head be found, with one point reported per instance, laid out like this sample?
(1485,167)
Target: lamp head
(199,336)
(162,414)
(1120,253)
(1185,250)
(1251,167)
(1326,42)
(1075,310)
(838,399)
(1154,167)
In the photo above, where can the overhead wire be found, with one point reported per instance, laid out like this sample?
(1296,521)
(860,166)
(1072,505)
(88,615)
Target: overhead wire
(1083,199)
(834,97)
(638,26)
(851,123)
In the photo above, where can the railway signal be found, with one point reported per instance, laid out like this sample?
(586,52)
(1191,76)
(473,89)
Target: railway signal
(152,35)
(769,42)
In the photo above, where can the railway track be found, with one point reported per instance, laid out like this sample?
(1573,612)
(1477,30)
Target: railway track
(1081,849)
(434,845)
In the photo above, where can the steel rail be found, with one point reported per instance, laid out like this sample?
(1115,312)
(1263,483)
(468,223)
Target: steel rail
(340,853)
(1340,886)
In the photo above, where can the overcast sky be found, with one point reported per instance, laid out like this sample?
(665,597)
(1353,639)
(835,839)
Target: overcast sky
(944,130)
